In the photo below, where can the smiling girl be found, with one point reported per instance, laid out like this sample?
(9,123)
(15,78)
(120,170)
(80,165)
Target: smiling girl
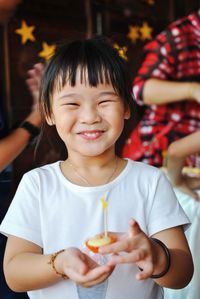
(86,94)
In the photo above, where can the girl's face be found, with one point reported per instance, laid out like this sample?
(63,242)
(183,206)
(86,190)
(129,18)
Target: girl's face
(88,119)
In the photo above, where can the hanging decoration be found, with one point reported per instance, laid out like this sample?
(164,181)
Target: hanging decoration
(133,33)
(146,31)
(26,32)
(121,50)
(47,51)
(140,33)
(136,33)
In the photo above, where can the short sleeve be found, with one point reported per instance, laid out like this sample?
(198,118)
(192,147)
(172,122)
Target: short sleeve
(158,63)
(23,216)
(165,210)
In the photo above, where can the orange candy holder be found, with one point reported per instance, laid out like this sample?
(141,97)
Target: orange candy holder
(95,249)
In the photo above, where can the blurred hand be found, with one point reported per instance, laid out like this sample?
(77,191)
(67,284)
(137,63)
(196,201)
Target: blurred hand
(188,185)
(33,82)
(138,248)
(80,268)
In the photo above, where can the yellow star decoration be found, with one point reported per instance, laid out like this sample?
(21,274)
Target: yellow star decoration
(26,32)
(133,33)
(47,51)
(121,50)
(151,2)
(146,31)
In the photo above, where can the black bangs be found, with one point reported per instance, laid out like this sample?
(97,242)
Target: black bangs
(95,61)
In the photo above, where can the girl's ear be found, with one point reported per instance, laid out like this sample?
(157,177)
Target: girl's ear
(127,113)
(50,120)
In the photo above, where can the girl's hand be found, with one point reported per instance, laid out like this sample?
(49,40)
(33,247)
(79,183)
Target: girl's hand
(80,268)
(138,248)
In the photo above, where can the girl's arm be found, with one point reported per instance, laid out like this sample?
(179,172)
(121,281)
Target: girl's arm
(181,265)
(27,268)
(150,256)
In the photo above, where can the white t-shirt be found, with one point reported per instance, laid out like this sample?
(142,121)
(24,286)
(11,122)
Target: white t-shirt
(54,213)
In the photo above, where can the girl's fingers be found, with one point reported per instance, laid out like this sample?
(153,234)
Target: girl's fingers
(134,227)
(147,271)
(125,242)
(91,276)
(99,279)
(114,248)
(132,257)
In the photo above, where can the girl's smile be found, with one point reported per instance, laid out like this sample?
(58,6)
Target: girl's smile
(91,135)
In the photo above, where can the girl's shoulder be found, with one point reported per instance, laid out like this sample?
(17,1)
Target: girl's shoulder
(46,171)
(143,168)
(143,174)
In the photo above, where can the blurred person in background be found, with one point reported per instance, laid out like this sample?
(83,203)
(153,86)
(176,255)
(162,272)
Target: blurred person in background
(186,182)
(13,143)
(167,86)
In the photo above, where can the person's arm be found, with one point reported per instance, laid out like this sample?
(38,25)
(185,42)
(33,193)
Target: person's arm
(154,82)
(36,271)
(177,153)
(150,256)
(12,145)
(157,91)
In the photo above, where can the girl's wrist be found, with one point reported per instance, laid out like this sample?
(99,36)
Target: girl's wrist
(162,258)
(55,262)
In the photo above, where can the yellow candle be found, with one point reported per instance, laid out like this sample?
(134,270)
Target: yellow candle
(105,215)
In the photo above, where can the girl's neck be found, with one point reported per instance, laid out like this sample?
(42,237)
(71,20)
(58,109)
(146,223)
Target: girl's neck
(92,174)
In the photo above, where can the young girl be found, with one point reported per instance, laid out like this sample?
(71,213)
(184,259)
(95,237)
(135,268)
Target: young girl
(85,95)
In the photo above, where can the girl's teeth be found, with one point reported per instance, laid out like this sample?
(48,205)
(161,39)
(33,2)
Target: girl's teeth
(91,134)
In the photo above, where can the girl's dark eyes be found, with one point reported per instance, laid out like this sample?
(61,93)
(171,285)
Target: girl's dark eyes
(105,101)
(70,104)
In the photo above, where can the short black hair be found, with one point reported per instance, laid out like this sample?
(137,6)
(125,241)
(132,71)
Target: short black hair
(96,58)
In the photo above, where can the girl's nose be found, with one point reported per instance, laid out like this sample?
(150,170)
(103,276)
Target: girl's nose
(90,115)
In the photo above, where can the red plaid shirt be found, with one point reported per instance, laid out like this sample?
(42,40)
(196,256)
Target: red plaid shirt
(174,56)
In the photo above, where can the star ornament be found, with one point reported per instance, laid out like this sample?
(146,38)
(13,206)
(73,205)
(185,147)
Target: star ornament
(26,32)
(121,50)
(47,51)
(146,31)
(133,33)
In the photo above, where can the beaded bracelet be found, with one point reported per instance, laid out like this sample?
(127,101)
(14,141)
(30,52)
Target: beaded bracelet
(52,260)
(168,259)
